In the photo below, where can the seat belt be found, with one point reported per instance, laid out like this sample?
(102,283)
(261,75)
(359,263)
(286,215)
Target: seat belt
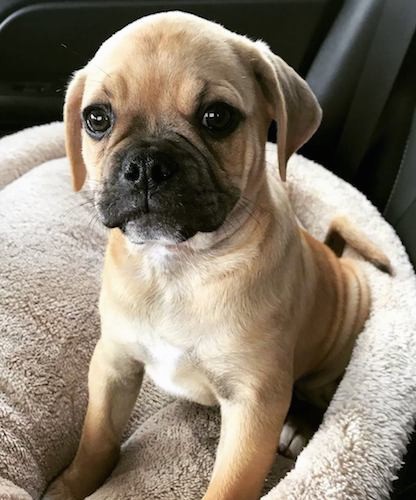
(403,193)
(392,37)
(401,207)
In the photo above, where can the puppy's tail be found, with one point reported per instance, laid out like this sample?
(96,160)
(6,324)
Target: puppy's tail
(341,231)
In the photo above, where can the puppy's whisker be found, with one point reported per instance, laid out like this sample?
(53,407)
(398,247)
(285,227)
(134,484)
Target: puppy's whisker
(251,213)
(248,207)
(79,205)
(86,203)
(93,220)
(65,46)
(258,208)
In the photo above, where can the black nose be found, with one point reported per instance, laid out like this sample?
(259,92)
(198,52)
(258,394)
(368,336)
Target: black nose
(149,168)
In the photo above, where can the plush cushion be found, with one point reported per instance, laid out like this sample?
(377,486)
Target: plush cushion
(51,255)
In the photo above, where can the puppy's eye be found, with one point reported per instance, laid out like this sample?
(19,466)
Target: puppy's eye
(220,119)
(97,119)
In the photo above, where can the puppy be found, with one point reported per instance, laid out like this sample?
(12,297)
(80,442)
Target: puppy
(209,283)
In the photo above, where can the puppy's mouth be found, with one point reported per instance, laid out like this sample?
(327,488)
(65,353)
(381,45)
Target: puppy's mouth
(168,227)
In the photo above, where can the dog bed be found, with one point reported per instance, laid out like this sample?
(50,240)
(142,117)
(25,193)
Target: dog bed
(51,256)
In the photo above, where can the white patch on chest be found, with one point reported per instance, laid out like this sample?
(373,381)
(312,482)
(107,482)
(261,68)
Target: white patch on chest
(169,366)
(172,369)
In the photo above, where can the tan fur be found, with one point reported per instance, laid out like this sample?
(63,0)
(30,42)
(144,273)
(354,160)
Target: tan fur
(73,131)
(341,231)
(241,314)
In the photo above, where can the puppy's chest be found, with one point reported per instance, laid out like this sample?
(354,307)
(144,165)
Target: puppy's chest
(182,334)
(173,365)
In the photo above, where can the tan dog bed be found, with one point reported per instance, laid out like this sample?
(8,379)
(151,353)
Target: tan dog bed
(51,254)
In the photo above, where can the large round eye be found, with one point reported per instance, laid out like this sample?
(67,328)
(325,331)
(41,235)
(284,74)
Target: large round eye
(98,120)
(220,118)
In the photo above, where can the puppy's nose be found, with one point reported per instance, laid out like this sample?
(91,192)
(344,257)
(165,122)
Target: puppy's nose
(149,169)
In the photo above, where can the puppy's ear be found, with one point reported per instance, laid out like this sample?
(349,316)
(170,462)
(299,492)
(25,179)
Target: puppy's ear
(291,102)
(72,120)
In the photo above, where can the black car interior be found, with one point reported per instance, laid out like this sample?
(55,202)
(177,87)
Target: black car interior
(359,57)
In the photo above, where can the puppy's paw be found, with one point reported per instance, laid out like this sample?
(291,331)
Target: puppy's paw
(295,435)
(58,490)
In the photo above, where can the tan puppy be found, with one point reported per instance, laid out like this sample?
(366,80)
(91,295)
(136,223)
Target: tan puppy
(209,284)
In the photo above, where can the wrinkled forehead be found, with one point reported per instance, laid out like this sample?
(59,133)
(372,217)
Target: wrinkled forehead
(167,64)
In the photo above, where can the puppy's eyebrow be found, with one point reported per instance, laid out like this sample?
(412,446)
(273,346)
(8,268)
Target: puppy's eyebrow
(219,90)
(202,95)
(107,92)
(99,91)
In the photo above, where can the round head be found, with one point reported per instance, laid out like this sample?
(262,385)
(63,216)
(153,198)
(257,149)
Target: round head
(170,120)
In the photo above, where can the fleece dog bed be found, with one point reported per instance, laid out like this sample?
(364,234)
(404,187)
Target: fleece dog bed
(51,256)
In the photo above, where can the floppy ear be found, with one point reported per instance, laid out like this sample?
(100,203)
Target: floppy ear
(72,120)
(292,103)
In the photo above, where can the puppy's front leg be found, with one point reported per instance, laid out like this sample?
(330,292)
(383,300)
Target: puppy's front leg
(114,382)
(249,439)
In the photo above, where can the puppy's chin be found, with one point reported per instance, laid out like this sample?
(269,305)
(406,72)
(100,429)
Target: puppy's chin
(139,232)
(151,228)
(143,238)
(148,230)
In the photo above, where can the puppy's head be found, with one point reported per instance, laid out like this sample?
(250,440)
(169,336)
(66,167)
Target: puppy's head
(170,120)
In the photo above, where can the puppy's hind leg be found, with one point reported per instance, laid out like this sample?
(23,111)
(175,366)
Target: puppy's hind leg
(113,383)
(302,421)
